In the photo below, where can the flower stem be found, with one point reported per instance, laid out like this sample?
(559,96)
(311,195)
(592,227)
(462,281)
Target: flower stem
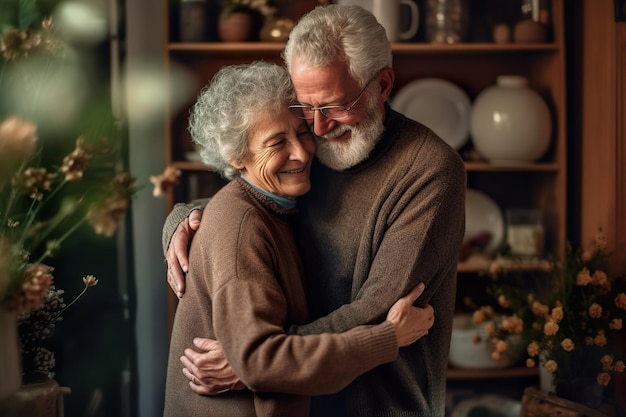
(57,315)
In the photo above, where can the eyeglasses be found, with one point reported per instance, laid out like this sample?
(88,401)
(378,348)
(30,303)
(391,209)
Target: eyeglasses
(331,112)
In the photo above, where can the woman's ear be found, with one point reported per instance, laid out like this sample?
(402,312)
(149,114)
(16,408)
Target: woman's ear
(237,163)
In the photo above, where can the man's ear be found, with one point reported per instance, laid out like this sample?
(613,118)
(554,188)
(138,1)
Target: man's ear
(385,84)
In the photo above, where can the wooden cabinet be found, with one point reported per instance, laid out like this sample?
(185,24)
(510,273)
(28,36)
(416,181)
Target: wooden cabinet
(602,118)
(473,66)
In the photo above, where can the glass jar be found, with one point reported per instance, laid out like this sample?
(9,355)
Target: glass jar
(446,21)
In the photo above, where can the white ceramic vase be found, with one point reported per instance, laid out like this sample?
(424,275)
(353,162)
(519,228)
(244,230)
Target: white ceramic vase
(510,123)
(10,370)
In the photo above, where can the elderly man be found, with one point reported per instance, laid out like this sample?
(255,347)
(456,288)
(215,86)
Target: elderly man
(385,211)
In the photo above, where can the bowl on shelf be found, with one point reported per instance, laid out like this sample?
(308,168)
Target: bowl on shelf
(466,354)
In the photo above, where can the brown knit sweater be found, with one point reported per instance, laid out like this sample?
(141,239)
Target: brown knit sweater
(244,288)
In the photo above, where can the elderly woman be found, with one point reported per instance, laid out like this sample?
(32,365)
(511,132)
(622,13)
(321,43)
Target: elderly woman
(245,282)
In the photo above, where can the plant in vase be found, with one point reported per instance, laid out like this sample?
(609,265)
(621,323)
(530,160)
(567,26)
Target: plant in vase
(570,316)
(242,20)
(47,193)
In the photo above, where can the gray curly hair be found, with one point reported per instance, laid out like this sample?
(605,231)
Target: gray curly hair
(339,32)
(228,107)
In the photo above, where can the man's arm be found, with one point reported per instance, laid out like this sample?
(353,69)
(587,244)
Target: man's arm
(420,238)
(178,230)
(209,373)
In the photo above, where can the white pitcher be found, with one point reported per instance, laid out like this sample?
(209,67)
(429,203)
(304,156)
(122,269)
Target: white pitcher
(387,12)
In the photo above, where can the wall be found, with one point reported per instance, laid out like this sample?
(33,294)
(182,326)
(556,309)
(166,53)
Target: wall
(144,53)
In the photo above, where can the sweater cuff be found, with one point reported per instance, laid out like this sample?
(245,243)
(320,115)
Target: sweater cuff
(179,213)
(381,342)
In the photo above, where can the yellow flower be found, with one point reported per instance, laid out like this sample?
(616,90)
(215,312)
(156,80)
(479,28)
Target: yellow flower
(500,346)
(600,241)
(583,278)
(619,366)
(551,366)
(600,339)
(530,363)
(557,314)
(533,349)
(550,328)
(478,317)
(568,344)
(615,324)
(503,301)
(607,362)
(595,311)
(601,280)
(539,309)
(604,378)
(490,329)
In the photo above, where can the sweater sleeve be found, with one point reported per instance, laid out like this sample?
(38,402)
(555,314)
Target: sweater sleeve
(179,213)
(249,318)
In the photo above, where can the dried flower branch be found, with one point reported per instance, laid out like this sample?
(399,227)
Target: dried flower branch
(165,182)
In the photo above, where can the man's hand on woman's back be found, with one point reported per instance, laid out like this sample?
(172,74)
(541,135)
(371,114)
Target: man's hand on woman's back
(177,256)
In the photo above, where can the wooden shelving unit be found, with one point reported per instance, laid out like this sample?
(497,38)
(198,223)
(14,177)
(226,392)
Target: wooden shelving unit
(473,67)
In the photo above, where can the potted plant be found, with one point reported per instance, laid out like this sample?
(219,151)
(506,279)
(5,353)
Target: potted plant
(570,317)
(241,20)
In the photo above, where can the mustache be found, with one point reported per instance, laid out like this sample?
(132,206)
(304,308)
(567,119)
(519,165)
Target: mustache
(335,133)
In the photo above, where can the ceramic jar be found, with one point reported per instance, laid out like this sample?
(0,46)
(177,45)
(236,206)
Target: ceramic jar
(193,21)
(239,27)
(510,123)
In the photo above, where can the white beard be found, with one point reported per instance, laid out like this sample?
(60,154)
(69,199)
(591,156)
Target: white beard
(340,156)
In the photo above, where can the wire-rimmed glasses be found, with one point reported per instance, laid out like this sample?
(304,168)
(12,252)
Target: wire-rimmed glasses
(330,112)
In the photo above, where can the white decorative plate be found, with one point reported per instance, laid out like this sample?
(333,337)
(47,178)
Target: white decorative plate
(482,214)
(489,404)
(439,104)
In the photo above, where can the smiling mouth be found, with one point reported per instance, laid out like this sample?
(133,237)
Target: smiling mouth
(337,135)
(293,171)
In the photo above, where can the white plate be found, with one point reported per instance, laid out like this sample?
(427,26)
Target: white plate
(439,104)
(482,214)
(497,405)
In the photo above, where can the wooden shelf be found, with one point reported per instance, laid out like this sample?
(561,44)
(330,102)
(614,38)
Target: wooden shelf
(469,166)
(516,372)
(234,48)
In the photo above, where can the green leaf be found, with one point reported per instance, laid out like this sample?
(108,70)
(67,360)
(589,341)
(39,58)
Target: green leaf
(27,13)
